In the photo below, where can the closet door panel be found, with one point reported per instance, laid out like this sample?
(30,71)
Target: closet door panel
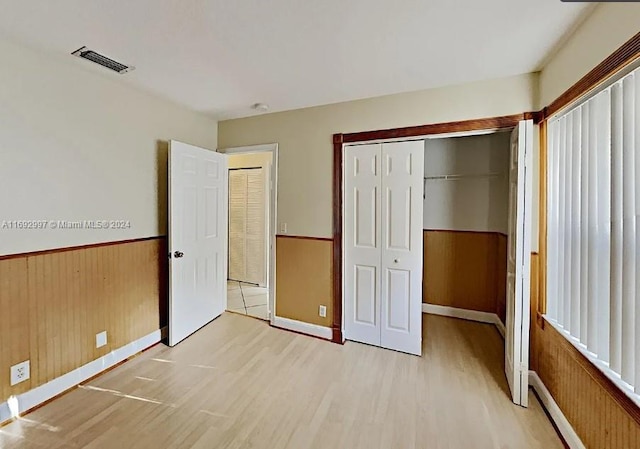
(401,252)
(362,243)
(247,236)
(398,311)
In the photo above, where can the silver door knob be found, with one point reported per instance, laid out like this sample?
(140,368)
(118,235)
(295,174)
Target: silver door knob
(178,254)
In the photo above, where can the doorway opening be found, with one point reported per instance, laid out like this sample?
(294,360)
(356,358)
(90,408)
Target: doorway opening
(251,255)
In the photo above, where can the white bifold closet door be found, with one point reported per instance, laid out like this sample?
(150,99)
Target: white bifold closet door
(383,185)
(247,236)
(519,263)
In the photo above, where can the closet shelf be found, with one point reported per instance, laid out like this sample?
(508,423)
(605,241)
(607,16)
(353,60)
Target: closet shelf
(456,177)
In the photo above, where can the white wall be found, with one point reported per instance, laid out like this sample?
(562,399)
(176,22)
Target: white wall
(304,137)
(472,203)
(81,145)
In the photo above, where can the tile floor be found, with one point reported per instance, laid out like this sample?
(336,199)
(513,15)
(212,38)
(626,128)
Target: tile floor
(248,299)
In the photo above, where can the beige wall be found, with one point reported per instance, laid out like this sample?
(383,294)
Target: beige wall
(610,26)
(250,160)
(80,144)
(305,146)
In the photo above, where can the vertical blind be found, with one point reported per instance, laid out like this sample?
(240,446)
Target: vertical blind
(593,289)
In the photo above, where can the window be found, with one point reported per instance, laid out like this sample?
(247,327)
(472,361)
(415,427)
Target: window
(593,264)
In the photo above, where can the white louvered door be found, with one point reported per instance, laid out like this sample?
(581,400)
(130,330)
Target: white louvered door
(247,236)
(237,223)
(383,244)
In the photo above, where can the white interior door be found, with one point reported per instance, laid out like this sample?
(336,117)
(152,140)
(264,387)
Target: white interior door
(402,248)
(518,263)
(362,250)
(197,238)
(383,244)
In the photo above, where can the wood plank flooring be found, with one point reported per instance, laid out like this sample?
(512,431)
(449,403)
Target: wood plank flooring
(238,383)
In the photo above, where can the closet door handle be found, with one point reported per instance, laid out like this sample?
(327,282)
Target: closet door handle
(396,260)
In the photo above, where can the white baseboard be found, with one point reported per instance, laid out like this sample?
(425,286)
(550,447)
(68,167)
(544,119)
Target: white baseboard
(465,314)
(32,398)
(303,328)
(565,428)
(500,325)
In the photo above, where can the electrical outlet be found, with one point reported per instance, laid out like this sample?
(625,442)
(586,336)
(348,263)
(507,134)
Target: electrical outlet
(283,228)
(101,339)
(323,311)
(20,372)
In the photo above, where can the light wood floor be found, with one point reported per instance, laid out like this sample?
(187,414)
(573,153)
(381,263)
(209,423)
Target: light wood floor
(238,383)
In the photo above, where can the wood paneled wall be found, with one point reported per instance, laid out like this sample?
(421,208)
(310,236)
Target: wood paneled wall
(52,305)
(466,270)
(599,417)
(600,414)
(304,279)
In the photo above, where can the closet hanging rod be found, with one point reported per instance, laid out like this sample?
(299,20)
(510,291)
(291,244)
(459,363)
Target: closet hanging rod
(454,177)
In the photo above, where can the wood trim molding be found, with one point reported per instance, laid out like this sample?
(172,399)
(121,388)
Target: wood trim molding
(536,116)
(304,237)
(607,384)
(623,56)
(336,327)
(542,221)
(507,121)
(73,248)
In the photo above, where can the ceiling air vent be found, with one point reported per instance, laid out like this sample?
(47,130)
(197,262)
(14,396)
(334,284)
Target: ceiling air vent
(85,53)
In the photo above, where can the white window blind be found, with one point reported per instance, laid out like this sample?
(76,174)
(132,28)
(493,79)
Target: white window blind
(593,289)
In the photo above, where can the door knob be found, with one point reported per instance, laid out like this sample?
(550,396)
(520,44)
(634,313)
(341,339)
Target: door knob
(396,260)
(178,254)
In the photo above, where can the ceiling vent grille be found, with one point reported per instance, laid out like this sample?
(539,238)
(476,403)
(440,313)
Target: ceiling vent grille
(85,53)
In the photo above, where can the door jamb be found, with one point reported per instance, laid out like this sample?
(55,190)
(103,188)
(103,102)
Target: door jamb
(273,211)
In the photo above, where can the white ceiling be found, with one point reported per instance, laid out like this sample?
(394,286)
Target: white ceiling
(221,56)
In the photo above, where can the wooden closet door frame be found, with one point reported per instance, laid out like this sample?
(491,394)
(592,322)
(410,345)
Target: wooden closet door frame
(273,214)
(450,129)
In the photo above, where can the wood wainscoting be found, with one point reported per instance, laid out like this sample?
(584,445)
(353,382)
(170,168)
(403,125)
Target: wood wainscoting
(465,270)
(54,303)
(304,278)
(601,415)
